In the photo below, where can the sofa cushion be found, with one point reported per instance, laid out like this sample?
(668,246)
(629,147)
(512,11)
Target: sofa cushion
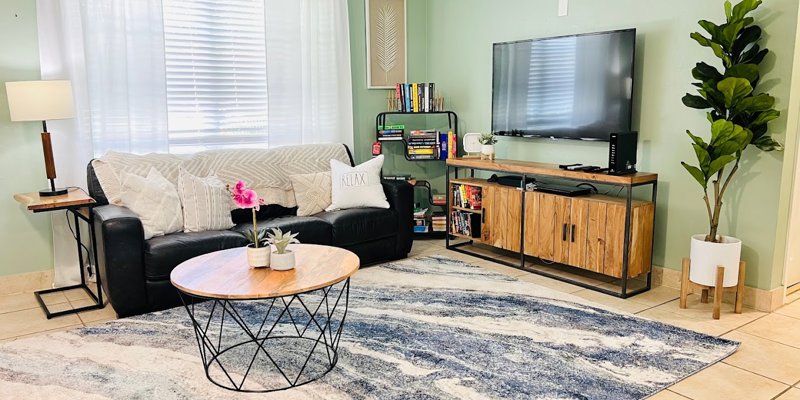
(312,230)
(358,225)
(163,253)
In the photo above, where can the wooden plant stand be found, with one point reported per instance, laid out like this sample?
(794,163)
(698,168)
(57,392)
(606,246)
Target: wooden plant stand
(719,290)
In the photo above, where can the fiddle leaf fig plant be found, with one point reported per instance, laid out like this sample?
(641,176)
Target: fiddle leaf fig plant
(737,112)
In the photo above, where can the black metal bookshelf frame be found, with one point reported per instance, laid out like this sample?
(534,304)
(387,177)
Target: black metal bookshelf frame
(452,124)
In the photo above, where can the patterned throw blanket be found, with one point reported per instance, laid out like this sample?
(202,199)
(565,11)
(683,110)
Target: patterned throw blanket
(267,171)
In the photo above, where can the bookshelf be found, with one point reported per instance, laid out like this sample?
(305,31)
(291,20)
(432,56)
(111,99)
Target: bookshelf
(387,118)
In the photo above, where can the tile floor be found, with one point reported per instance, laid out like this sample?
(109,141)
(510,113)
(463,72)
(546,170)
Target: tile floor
(766,366)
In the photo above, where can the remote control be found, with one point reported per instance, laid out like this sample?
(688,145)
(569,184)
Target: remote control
(575,167)
(567,166)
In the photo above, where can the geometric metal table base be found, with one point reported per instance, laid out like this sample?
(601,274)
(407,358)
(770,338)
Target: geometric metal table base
(266,345)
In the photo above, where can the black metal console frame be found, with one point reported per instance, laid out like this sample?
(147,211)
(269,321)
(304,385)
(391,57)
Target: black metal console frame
(98,298)
(623,293)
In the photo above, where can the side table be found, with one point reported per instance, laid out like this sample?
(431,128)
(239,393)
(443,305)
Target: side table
(78,203)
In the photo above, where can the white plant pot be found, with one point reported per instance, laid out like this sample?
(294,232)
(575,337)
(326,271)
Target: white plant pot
(706,256)
(258,257)
(487,149)
(282,262)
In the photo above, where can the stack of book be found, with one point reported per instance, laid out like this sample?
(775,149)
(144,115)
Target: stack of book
(415,97)
(398,177)
(431,145)
(391,132)
(467,196)
(466,223)
(423,145)
(439,222)
(421,220)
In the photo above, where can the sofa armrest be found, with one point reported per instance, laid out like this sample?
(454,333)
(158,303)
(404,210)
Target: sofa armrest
(401,199)
(120,258)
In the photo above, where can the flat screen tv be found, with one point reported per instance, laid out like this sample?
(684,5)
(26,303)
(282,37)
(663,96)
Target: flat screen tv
(566,87)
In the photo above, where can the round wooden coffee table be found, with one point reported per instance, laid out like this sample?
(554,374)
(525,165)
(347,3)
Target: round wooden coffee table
(279,328)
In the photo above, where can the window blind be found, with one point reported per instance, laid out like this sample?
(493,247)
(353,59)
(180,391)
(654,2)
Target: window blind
(216,73)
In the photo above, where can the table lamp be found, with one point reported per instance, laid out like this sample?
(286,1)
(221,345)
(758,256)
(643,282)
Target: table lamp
(42,101)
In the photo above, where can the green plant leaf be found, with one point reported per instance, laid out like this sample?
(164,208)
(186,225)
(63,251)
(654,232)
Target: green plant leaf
(766,143)
(752,104)
(719,163)
(728,13)
(697,102)
(746,71)
(696,174)
(744,7)
(759,56)
(696,139)
(711,28)
(734,89)
(716,47)
(721,131)
(766,116)
(729,34)
(705,72)
(748,36)
(703,157)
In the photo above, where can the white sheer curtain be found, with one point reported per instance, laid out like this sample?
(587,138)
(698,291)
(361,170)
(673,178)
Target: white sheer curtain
(113,51)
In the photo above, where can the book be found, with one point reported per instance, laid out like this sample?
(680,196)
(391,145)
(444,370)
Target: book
(451,145)
(407,90)
(443,139)
(397,97)
(431,97)
(415,97)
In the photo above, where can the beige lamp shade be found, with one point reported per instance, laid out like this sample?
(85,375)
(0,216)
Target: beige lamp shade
(39,100)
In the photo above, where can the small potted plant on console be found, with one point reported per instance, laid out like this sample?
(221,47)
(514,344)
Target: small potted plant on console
(258,249)
(738,115)
(282,259)
(487,141)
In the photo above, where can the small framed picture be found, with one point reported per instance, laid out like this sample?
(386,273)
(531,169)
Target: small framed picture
(386,43)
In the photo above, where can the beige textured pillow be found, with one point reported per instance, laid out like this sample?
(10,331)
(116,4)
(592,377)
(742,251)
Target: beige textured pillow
(312,192)
(156,202)
(206,203)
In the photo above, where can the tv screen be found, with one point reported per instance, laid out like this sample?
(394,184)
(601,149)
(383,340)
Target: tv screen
(573,87)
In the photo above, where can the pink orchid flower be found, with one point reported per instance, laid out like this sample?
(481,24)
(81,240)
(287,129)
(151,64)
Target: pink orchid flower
(238,188)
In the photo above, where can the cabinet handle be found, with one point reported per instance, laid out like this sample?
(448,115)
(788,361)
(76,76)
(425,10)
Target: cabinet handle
(483,215)
(573,233)
(564,232)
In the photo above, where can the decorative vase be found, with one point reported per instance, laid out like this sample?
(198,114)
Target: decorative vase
(282,262)
(706,256)
(487,151)
(258,257)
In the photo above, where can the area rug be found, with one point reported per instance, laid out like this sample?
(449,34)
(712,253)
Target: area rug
(422,328)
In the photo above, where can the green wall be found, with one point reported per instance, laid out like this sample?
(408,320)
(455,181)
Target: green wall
(25,239)
(461,33)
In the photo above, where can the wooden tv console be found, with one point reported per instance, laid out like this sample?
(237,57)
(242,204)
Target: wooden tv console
(599,238)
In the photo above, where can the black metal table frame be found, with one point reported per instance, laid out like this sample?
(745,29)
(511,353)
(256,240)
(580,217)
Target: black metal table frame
(98,298)
(210,353)
(623,293)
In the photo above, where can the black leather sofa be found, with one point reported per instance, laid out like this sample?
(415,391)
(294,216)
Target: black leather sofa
(135,272)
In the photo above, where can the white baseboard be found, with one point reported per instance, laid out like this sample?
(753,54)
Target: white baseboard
(26,282)
(759,299)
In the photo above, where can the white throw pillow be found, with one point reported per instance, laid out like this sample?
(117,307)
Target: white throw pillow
(156,202)
(206,203)
(359,186)
(312,192)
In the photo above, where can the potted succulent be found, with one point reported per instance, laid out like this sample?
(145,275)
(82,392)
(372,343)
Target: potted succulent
(258,249)
(487,141)
(282,259)
(739,116)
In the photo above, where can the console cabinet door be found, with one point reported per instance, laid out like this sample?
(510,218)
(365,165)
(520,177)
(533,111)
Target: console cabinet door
(501,224)
(577,229)
(596,236)
(546,221)
(561,241)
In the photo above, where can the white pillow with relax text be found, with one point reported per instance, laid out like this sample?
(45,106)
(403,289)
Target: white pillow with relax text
(359,186)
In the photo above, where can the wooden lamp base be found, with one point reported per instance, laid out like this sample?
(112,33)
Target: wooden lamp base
(719,290)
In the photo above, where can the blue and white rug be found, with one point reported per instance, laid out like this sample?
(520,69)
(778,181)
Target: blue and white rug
(423,328)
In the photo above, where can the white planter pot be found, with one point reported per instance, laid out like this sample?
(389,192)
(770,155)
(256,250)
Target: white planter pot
(282,262)
(706,256)
(258,257)
(487,149)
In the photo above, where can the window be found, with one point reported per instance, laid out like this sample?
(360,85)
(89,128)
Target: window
(216,74)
